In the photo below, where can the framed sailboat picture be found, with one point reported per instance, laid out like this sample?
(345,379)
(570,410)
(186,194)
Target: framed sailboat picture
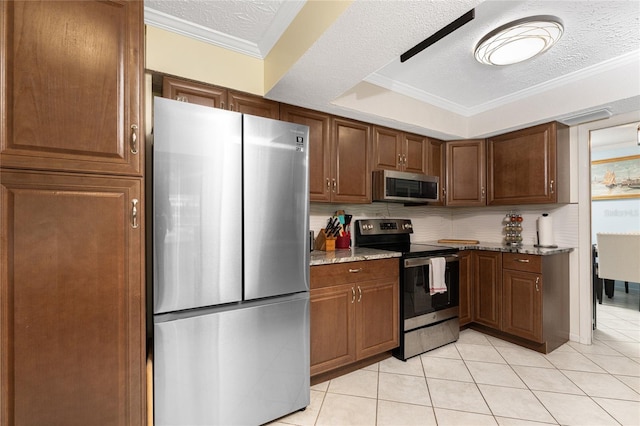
(615,178)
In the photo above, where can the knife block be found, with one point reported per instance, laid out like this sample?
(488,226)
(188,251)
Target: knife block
(325,242)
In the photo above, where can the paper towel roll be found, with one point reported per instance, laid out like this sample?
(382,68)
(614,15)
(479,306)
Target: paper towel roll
(545,231)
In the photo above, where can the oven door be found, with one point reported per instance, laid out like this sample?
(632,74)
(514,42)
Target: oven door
(417,299)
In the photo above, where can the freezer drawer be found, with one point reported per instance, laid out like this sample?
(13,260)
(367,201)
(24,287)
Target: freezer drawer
(235,367)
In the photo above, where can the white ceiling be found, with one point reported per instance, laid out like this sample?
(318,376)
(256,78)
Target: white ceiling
(359,54)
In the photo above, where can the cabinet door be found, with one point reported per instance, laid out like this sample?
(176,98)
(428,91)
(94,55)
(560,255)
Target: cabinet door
(319,148)
(521,167)
(522,299)
(254,105)
(465,173)
(416,158)
(466,288)
(72,298)
(72,75)
(435,163)
(194,93)
(377,317)
(387,149)
(487,270)
(351,151)
(333,339)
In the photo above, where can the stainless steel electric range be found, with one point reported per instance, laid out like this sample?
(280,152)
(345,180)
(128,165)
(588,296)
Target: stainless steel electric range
(428,320)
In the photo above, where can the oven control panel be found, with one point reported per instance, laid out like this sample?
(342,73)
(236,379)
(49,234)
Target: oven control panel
(385,226)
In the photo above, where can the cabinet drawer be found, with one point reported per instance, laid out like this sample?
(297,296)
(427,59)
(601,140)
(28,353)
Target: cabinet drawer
(351,272)
(522,262)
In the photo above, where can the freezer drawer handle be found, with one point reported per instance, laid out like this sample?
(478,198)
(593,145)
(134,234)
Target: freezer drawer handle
(134,213)
(134,138)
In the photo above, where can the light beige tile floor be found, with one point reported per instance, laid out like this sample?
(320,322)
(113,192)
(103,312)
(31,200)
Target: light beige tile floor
(481,380)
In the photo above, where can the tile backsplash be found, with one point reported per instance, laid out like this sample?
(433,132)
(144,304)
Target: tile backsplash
(480,223)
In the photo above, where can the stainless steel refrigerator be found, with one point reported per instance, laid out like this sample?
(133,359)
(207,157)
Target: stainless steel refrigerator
(231,266)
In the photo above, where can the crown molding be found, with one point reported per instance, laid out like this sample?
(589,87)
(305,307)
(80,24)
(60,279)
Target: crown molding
(198,32)
(281,21)
(407,90)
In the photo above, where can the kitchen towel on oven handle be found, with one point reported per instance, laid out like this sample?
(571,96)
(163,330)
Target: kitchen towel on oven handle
(436,275)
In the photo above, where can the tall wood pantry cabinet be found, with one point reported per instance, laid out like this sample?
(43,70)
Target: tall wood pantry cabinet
(72,337)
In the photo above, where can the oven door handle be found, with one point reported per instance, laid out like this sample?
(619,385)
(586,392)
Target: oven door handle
(421,261)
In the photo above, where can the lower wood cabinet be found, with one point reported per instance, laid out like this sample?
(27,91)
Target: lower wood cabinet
(354,312)
(72,336)
(522,298)
(487,288)
(466,287)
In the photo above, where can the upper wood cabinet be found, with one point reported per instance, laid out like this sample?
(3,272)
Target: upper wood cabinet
(350,161)
(72,75)
(466,171)
(319,148)
(396,150)
(529,166)
(219,97)
(72,336)
(436,167)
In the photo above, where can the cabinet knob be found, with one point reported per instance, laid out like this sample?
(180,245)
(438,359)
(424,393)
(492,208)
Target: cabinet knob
(134,138)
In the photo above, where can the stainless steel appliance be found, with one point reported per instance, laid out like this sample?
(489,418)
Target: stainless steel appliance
(231,266)
(403,187)
(428,320)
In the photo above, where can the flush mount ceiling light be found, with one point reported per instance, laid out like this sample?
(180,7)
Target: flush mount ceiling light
(519,40)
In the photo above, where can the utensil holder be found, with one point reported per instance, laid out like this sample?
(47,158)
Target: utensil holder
(344,241)
(325,242)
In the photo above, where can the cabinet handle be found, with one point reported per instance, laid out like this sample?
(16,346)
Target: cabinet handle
(353,294)
(134,138)
(404,159)
(328,185)
(231,107)
(182,99)
(335,185)
(399,159)
(522,260)
(353,271)
(221,105)
(134,213)
(359,294)
(483,192)
(551,186)
(537,281)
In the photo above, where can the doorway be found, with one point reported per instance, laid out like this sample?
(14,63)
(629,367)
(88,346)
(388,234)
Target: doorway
(614,206)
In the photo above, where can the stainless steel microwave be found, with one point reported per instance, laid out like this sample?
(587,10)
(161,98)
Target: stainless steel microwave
(403,187)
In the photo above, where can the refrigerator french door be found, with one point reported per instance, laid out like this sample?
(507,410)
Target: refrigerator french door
(231,274)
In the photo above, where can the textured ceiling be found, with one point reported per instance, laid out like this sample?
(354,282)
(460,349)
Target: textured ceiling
(364,44)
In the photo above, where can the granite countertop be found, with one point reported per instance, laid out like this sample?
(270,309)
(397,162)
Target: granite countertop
(355,254)
(524,249)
